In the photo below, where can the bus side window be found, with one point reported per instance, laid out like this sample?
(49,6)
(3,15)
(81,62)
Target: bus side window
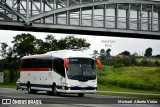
(58,65)
(36,63)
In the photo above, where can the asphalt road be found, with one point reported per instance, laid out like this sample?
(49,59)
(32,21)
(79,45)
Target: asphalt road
(66,100)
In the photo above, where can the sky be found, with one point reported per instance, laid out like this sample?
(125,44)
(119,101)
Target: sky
(116,44)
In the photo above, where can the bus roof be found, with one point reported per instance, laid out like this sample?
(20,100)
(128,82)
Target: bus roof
(69,53)
(60,54)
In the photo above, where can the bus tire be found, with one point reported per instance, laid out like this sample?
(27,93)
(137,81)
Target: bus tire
(54,91)
(29,88)
(80,94)
(30,91)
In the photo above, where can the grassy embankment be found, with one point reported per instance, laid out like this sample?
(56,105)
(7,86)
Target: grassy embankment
(8,85)
(130,79)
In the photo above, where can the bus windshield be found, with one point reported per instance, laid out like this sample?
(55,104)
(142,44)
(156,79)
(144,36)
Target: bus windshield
(81,69)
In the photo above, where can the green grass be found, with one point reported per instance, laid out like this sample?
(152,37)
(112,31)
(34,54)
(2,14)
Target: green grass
(121,89)
(129,79)
(140,78)
(7,85)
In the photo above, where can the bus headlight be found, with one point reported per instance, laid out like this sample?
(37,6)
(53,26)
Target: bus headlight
(95,85)
(68,85)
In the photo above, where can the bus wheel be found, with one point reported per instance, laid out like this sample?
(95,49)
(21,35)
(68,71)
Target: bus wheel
(30,91)
(54,91)
(80,94)
(29,88)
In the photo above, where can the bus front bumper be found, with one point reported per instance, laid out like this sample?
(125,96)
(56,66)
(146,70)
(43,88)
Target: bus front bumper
(80,90)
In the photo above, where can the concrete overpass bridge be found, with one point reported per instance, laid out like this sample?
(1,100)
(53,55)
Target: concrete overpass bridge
(122,18)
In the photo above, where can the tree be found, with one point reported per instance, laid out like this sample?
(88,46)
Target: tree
(39,47)
(148,52)
(3,51)
(102,51)
(24,44)
(157,56)
(71,42)
(108,52)
(102,54)
(52,43)
(126,53)
(95,53)
(8,60)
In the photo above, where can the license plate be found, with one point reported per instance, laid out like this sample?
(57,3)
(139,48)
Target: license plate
(82,89)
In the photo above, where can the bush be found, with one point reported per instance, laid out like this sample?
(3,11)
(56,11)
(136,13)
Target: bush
(6,76)
(149,63)
(10,76)
(120,62)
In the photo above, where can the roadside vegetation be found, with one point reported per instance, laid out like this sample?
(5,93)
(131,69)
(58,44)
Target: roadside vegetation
(8,85)
(132,77)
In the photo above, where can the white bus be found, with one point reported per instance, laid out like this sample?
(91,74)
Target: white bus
(63,71)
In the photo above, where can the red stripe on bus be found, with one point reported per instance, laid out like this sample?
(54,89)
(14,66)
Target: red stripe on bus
(35,69)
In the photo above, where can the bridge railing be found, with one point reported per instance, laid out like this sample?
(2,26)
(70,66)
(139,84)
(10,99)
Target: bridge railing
(137,15)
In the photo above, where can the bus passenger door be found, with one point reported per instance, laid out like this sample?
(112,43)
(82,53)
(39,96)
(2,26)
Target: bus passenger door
(60,70)
(63,83)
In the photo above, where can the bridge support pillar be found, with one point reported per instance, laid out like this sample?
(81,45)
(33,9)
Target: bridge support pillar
(116,16)
(152,17)
(12,6)
(92,17)
(18,9)
(128,17)
(54,19)
(27,10)
(148,21)
(31,11)
(68,18)
(55,6)
(44,11)
(104,16)
(158,21)
(41,10)
(138,20)
(68,15)
(80,17)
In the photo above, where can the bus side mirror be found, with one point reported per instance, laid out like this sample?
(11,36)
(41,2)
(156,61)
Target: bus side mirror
(98,62)
(66,63)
